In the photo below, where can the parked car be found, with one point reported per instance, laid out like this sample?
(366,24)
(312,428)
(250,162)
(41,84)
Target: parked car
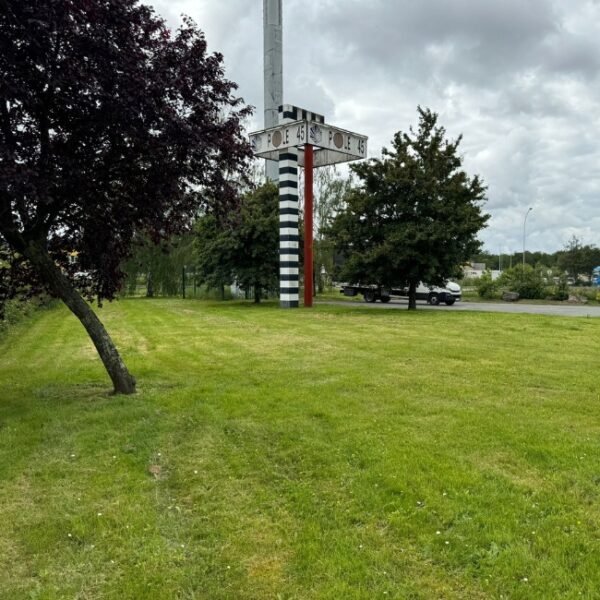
(448,294)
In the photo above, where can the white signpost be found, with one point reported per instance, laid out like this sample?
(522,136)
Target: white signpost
(331,144)
(302,138)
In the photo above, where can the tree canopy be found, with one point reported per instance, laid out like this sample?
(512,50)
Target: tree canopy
(245,249)
(415,214)
(110,125)
(330,190)
(159,265)
(578,259)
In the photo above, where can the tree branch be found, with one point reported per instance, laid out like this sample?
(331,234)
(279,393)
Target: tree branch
(43,210)
(5,125)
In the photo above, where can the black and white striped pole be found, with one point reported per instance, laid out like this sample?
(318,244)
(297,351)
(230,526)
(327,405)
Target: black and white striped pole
(289,286)
(289,276)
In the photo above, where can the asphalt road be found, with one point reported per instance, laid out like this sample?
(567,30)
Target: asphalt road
(559,310)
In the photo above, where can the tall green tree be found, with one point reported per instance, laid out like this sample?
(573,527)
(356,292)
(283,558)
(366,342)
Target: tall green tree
(415,215)
(215,251)
(243,248)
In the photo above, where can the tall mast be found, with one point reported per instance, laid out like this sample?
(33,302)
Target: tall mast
(273,71)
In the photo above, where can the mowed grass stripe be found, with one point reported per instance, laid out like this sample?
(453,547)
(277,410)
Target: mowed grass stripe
(305,454)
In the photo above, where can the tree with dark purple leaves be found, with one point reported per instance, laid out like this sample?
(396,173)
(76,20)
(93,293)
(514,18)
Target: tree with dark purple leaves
(110,125)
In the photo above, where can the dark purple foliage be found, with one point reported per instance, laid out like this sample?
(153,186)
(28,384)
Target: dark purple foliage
(110,124)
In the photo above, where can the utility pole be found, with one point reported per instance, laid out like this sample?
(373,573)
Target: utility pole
(273,72)
(524,224)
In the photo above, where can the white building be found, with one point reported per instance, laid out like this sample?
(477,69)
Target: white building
(476,270)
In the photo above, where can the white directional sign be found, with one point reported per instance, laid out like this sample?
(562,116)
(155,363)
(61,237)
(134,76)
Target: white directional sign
(331,144)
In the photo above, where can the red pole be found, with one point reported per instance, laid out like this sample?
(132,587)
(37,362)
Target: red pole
(308,225)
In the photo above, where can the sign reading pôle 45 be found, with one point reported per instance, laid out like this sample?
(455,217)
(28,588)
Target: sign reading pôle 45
(319,135)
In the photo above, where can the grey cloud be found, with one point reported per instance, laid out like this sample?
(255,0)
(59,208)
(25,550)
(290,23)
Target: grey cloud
(519,79)
(480,39)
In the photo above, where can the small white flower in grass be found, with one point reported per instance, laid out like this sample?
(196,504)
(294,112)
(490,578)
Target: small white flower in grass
(438,532)
(447,542)
(158,454)
(524,580)
(228,567)
(99,514)
(183,545)
(69,535)
(195,472)
(72,456)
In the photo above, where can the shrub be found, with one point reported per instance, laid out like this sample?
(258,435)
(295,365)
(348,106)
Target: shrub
(561,289)
(486,287)
(586,292)
(526,281)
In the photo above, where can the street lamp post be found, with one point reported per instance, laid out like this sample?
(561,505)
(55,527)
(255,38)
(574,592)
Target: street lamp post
(524,224)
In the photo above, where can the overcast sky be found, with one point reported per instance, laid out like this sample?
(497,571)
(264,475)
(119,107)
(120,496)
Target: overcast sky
(520,79)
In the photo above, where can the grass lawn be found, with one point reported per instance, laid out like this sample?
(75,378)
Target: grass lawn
(338,453)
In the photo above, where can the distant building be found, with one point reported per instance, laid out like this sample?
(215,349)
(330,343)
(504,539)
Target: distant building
(476,270)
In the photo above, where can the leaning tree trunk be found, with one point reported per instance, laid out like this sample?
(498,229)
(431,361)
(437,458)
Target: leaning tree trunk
(59,285)
(412,296)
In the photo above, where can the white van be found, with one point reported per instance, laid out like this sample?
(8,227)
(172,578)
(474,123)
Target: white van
(432,294)
(448,294)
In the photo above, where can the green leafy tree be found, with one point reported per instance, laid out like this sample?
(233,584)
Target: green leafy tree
(244,248)
(491,261)
(257,248)
(330,192)
(578,259)
(540,258)
(215,246)
(159,264)
(416,214)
